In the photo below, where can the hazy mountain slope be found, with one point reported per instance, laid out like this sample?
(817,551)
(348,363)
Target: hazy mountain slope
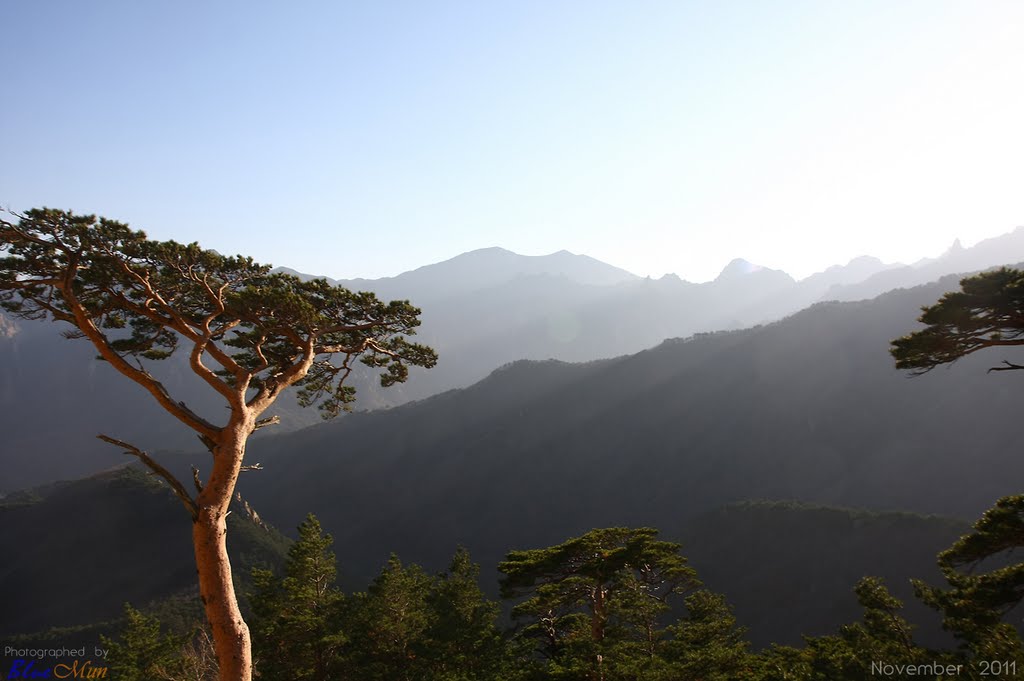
(1000,250)
(485,268)
(55,395)
(814,288)
(480,310)
(809,408)
(78,551)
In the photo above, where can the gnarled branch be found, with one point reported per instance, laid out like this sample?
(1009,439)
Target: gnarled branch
(157,469)
(1009,366)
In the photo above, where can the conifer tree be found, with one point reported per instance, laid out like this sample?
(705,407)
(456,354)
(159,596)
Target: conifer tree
(707,643)
(388,624)
(143,649)
(987,312)
(985,579)
(985,583)
(463,640)
(883,635)
(249,333)
(591,599)
(297,632)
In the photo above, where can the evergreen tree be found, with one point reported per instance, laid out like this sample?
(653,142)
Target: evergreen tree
(592,602)
(297,619)
(882,636)
(987,312)
(142,652)
(251,334)
(388,626)
(463,640)
(986,582)
(777,663)
(707,643)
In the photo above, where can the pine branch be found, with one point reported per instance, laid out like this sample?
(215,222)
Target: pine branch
(157,469)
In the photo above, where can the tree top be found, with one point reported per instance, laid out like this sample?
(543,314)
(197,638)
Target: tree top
(987,311)
(137,298)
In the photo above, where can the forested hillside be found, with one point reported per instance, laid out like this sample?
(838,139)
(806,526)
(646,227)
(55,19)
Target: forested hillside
(809,408)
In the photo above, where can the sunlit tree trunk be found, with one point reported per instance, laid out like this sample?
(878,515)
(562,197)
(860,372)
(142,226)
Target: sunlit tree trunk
(209,537)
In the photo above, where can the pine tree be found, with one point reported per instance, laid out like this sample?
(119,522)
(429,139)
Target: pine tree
(883,635)
(388,626)
(297,620)
(707,643)
(593,601)
(985,583)
(463,640)
(987,312)
(250,334)
(142,650)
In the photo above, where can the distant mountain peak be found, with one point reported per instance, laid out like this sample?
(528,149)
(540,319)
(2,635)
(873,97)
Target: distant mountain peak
(739,267)
(865,260)
(489,251)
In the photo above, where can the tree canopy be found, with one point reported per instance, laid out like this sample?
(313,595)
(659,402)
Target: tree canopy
(265,330)
(985,583)
(595,600)
(987,311)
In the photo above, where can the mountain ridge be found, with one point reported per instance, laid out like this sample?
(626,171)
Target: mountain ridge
(511,314)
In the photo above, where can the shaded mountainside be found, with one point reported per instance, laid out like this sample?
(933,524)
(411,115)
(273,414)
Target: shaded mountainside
(780,562)
(809,408)
(120,537)
(75,552)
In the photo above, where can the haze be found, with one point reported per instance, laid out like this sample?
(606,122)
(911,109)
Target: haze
(362,140)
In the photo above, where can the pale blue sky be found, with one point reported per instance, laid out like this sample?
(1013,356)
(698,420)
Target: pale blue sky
(363,139)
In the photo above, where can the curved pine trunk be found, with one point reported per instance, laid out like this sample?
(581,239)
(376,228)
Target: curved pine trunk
(230,632)
(231,637)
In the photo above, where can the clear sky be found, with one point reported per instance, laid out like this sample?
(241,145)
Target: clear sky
(367,138)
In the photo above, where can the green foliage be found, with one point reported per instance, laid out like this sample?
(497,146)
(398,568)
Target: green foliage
(389,623)
(777,663)
(464,642)
(883,635)
(411,625)
(407,625)
(135,299)
(593,602)
(142,652)
(986,582)
(296,620)
(139,298)
(987,312)
(707,643)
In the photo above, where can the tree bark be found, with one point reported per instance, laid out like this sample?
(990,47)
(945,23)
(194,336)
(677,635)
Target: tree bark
(209,537)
